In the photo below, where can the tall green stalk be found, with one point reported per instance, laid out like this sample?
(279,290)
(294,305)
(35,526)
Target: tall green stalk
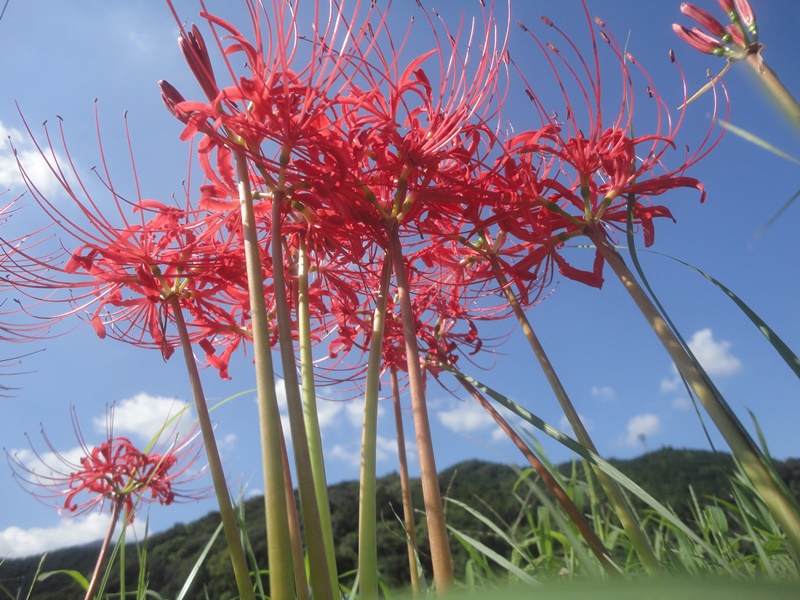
(232,537)
(310,410)
(319,571)
(279,546)
(367,511)
(431,494)
(773,492)
(622,508)
(767,77)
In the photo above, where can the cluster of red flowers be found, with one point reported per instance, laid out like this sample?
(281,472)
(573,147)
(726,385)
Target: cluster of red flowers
(115,472)
(358,147)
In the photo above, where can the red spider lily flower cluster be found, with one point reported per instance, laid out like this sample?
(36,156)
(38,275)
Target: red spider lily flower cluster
(712,37)
(126,274)
(576,174)
(115,472)
(354,144)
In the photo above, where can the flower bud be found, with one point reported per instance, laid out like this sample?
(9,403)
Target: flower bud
(703,18)
(195,52)
(172,98)
(700,41)
(747,16)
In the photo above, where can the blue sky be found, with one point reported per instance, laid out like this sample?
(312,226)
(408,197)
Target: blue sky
(59,57)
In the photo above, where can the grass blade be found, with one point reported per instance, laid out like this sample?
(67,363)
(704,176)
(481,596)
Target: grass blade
(593,458)
(196,568)
(773,338)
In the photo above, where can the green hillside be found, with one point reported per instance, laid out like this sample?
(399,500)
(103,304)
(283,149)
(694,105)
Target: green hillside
(487,487)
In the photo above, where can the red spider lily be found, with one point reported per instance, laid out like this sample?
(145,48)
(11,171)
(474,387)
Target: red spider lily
(130,274)
(567,176)
(733,41)
(114,472)
(414,147)
(276,106)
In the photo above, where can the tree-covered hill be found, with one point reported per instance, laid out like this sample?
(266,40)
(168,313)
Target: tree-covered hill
(487,487)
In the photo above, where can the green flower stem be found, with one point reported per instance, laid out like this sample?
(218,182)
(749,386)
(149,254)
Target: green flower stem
(320,575)
(367,512)
(101,556)
(432,497)
(279,546)
(563,498)
(774,86)
(405,487)
(310,410)
(772,492)
(622,508)
(235,548)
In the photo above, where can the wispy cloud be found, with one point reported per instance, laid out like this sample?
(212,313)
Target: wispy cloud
(466,417)
(603,392)
(350,453)
(640,427)
(32,161)
(144,415)
(714,356)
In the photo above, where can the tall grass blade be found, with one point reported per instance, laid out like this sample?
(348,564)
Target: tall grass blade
(490,524)
(771,221)
(76,576)
(773,338)
(754,139)
(594,459)
(198,563)
(489,553)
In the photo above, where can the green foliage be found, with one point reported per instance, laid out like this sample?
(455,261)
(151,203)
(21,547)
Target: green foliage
(505,532)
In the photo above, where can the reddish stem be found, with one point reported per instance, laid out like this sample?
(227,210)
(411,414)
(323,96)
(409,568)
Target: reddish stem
(432,497)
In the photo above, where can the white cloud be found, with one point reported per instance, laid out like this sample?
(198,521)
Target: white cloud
(228,443)
(144,415)
(355,413)
(30,158)
(641,426)
(603,392)
(682,403)
(467,417)
(386,448)
(340,453)
(17,542)
(328,412)
(715,357)
(671,384)
(49,464)
(286,425)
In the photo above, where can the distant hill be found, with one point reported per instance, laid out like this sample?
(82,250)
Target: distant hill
(487,487)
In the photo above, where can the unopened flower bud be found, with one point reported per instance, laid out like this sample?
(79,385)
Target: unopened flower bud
(172,98)
(195,52)
(700,41)
(703,18)
(736,36)
(747,16)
